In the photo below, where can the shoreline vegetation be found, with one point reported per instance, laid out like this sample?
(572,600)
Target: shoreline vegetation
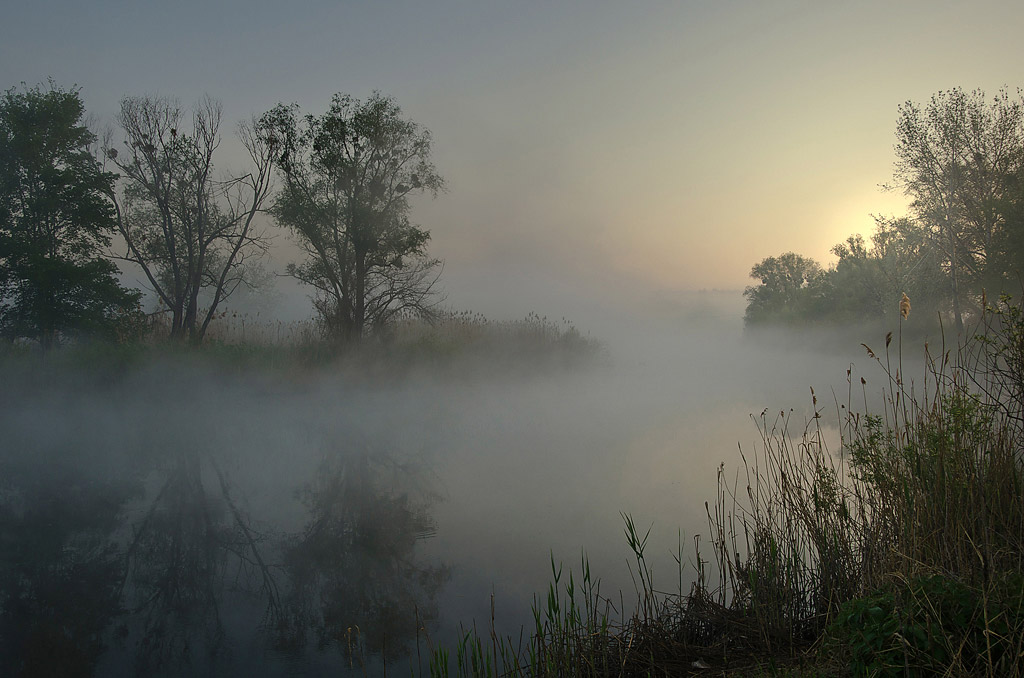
(238,341)
(897,551)
(960,163)
(899,554)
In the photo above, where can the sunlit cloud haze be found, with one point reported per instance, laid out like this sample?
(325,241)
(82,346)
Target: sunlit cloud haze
(594,152)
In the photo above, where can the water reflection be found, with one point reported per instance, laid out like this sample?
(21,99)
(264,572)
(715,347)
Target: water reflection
(60,569)
(178,565)
(356,559)
(170,572)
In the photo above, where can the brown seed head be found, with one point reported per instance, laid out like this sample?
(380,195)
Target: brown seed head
(905,305)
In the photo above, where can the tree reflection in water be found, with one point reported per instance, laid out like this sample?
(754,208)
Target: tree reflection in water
(172,588)
(178,566)
(60,568)
(354,569)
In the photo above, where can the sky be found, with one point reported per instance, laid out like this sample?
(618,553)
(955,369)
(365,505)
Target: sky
(595,152)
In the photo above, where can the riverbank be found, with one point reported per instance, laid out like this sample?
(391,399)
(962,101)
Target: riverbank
(899,551)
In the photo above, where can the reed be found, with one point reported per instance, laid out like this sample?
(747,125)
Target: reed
(453,342)
(899,552)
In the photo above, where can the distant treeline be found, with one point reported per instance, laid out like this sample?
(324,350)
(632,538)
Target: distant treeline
(960,160)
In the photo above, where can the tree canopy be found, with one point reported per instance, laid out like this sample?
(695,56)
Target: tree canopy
(348,175)
(957,159)
(786,285)
(960,158)
(55,223)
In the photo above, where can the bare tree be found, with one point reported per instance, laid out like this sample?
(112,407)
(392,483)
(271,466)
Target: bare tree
(192,234)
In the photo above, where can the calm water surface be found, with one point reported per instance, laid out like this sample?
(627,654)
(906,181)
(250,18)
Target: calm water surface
(187,520)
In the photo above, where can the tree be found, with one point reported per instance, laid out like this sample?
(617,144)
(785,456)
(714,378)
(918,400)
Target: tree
(790,286)
(911,264)
(55,223)
(957,158)
(1009,241)
(192,234)
(902,259)
(348,175)
(859,281)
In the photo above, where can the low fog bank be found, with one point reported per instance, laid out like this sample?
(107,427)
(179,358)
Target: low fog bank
(478,475)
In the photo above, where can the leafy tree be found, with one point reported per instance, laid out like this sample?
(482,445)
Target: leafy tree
(55,223)
(858,280)
(961,160)
(1008,260)
(791,287)
(957,158)
(911,264)
(348,175)
(191,233)
(902,259)
(866,282)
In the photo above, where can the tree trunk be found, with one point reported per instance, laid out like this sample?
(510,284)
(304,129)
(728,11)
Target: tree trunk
(359,319)
(954,267)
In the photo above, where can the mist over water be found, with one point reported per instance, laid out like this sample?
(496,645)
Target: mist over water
(374,501)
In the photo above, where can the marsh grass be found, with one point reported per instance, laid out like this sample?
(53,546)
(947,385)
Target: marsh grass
(899,551)
(453,343)
(443,333)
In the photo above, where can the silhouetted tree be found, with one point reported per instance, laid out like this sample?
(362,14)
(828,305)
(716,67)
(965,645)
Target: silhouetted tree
(961,160)
(192,233)
(790,284)
(903,258)
(1008,261)
(55,223)
(348,175)
(956,157)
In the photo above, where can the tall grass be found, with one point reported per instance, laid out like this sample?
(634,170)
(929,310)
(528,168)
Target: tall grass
(459,342)
(899,551)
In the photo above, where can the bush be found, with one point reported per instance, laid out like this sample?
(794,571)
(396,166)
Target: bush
(933,625)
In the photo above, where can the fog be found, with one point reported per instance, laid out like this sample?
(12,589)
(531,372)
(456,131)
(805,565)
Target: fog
(167,512)
(463,478)
(675,143)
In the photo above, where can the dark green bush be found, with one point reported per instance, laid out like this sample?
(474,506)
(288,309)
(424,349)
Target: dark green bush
(931,625)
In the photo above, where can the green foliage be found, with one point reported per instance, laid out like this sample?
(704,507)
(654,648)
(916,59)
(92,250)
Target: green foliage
(960,159)
(791,287)
(867,628)
(931,625)
(865,284)
(55,222)
(348,176)
(1006,265)
(868,281)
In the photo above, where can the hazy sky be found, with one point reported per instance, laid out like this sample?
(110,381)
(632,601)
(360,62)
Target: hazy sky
(593,150)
